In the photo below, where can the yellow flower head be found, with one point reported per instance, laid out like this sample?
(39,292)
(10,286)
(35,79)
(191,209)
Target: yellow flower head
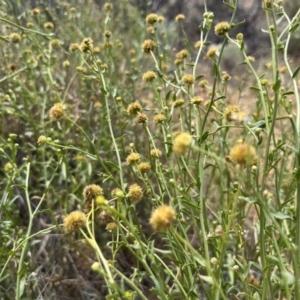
(243,154)
(15,38)
(141,119)
(148,46)
(135,192)
(133,158)
(179,17)
(74,221)
(182,54)
(155,153)
(188,79)
(162,217)
(92,191)
(86,45)
(134,108)
(57,111)
(222,28)
(144,167)
(149,76)
(159,118)
(182,142)
(151,19)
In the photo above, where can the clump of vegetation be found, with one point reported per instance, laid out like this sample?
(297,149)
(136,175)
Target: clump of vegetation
(134,166)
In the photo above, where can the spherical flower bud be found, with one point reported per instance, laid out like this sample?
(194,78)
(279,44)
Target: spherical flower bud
(100,200)
(107,33)
(8,167)
(240,37)
(182,142)
(149,76)
(148,46)
(111,226)
(214,261)
(222,28)
(42,140)
(57,111)
(74,221)
(219,229)
(236,268)
(96,266)
(162,217)
(135,192)
(133,158)
(55,44)
(118,193)
(243,154)
(188,79)
(151,19)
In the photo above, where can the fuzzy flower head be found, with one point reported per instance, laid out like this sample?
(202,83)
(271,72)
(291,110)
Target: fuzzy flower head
(233,113)
(182,142)
(108,6)
(159,118)
(92,191)
(135,192)
(151,19)
(179,18)
(243,154)
(141,119)
(222,28)
(182,54)
(188,79)
(133,158)
(86,45)
(155,153)
(197,45)
(144,167)
(134,108)
(74,221)
(15,38)
(196,100)
(212,52)
(148,46)
(57,111)
(149,76)
(162,217)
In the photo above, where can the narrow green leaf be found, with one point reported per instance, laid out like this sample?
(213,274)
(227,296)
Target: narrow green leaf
(199,77)
(295,74)
(253,88)
(294,27)
(229,6)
